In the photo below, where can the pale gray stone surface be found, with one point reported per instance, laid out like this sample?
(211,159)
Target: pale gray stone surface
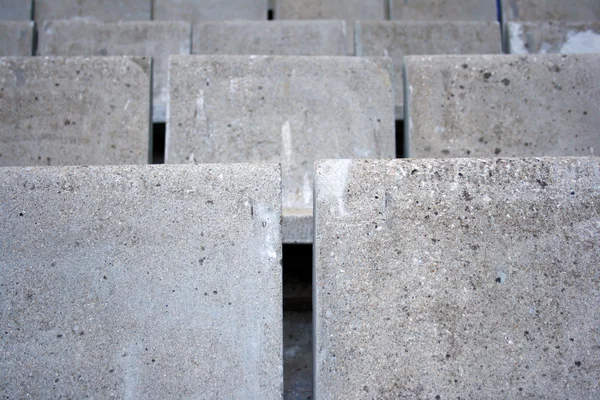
(289,110)
(431,10)
(503,105)
(156,39)
(398,38)
(74,110)
(471,279)
(551,10)
(210,10)
(148,282)
(15,10)
(300,38)
(16,38)
(553,37)
(100,10)
(297,225)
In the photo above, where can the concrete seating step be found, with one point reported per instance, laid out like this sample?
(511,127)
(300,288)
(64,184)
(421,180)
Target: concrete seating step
(399,38)
(503,105)
(446,279)
(550,10)
(100,10)
(431,10)
(156,39)
(553,37)
(141,282)
(210,10)
(15,10)
(292,110)
(16,38)
(299,38)
(74,111)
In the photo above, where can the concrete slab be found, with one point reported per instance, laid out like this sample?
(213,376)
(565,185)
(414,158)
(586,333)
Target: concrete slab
(102,298)
(300,38)
(397,39)
(74,110)
(210,10)
(156,39)
(431,10)
(554,37)
(551,10)
(15,10)
(289,110)
(99,10)
(503,105)
(16,38)
(462,278)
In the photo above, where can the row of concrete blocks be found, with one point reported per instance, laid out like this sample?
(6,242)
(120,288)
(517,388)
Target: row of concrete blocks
(462,278)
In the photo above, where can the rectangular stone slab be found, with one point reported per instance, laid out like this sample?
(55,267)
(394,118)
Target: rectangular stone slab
(398,38)
(15,10)
(156,39)
(16,38)
(503,105)
(464,278)
(553,37)
(550,10)
(146,282)
(99,10)
(74,110)
(210,10)
(443,10)
(300,38)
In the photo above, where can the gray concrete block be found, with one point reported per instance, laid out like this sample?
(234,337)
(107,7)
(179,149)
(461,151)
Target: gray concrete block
(149,282)
(503,105)
(16,38)
(156,39)
(289,110)
(443,10)
(396,39)
(15,10)
(553,37)
(74,110)
(100,10)
(300,38)
(210,10)
(298,226)
(464,278)
(551,10)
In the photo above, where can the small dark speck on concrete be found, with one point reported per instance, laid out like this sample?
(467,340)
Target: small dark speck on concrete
(153,360)
(578,363)
(487,75)
(526,333)
(81,333)
(585,113)
(20,214)
(59,336)
(498,280)
(56,380)
(497,150)
(214,292)
(506,81)
(572,193)
(437,397)
(465,66)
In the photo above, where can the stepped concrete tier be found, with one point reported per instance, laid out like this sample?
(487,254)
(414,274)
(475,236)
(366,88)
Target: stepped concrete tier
(553,37)
(503,105)
(306,38)
(397,39)
(464,278)
(156,39)
(15,10)
(350,11)
(16,38)
(100,10)
(289,110)
(210,10)
(74,110)
(551,10)
(443,10)
(141,282)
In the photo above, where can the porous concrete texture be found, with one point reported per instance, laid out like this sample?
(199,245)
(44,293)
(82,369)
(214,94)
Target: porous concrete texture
(156,39)
(300,38)
(15,10)
(464,278)
(16,38)
(443,10)
(210,10)
(503,105)
(550,10)
(553,37)
(146,282)
(289,110)
(74,110)
(398,38)
(100,10)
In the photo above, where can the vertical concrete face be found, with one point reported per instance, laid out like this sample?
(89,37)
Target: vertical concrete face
(301,38)
(554,37)
(551,10)
(16,38)
(457,279)
(210,10)
(100,10)
(156,39)
(141,282)
(74,111)
(15,10)
(505,105)
(443,10)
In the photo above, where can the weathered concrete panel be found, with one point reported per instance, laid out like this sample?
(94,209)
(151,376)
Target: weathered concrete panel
(471,279)
(100,10)
(16,38)
(146,282)
(503,105)
(431,10)
(156,39)
(551,10)
(554,37)
(300,38)
(15,10)
(210,10)
(74,111)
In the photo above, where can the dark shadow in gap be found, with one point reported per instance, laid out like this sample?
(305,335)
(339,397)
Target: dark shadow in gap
(158,142)
(400,139)
(270,15)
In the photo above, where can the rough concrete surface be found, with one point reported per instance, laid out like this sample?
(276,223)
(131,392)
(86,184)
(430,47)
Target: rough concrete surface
(464,278)
(554,37)
(297,355)
(156,39)
(551,10)
(300,38)
(16,38)
(148,282)
(210,10)
(100,10)
(398,38)
(503,105)
(297,225)
(15,10)
(431,10)
(74,110)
